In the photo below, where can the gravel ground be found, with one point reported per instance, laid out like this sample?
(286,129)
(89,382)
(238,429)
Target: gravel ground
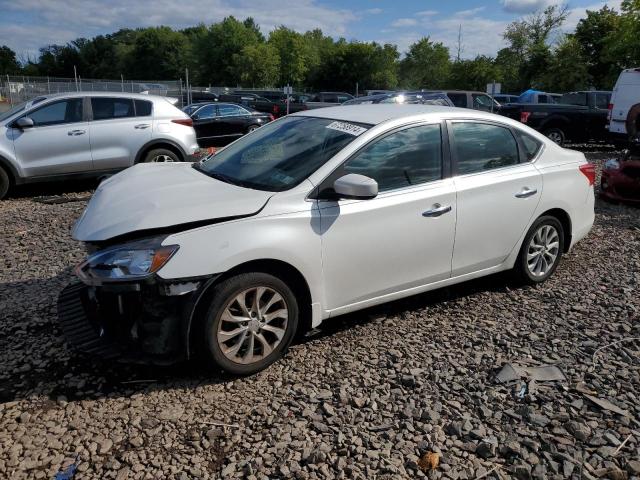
(406,390)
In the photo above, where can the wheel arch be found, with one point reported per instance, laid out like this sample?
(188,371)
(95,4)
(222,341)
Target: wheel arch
(7,166)
(160,143)
(278,268)
(633,120)
(565,220)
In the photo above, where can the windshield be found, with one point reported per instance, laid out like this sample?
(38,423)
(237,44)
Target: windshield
(20,107)
(281,154)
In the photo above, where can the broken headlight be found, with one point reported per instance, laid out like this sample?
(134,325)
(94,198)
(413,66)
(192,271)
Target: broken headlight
(129,261)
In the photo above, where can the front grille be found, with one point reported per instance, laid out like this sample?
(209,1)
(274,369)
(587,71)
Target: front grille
(80,333)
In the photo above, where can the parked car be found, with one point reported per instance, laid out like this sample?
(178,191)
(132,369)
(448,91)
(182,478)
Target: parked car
(624,107)
(328,97)
(424,98)
(620,179)
(579,117)
(312,216)
(56,137)
(504,98)
(535,96)
(470,99)
(297,102)
(217,124)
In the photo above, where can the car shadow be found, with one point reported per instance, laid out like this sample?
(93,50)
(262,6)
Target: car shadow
(52,188)
(35,362)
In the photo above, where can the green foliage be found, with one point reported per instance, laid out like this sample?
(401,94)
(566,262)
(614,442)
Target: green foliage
(8,62)
(426,65)
(233,53)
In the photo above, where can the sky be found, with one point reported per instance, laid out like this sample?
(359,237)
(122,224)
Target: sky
(27,25)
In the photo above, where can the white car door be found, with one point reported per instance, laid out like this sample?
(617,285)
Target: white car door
(58,142)
(117,131)
(497,193)
(401,239)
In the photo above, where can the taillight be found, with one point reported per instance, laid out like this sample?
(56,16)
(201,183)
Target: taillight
(187,122)
(524,116)
(610,107)
(276,109)
(271,118)
(589,171)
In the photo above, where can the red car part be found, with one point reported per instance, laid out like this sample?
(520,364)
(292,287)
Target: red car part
(622,184)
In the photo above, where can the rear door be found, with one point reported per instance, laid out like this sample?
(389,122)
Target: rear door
(58,142)
(117,132)
(497,193)
(207,125)
(233,120)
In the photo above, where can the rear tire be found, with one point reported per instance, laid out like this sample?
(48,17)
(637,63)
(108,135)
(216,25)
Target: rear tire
(556,135)
(160,155)
(541,251)
(252,128)
(5,183)
(242,336)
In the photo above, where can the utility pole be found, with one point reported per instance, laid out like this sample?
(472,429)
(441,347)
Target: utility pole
(75,76)
(459,47)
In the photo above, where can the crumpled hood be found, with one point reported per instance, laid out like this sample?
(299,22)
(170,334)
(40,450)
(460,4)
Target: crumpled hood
(153,196)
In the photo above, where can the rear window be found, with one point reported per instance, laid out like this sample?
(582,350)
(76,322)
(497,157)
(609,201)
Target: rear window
(531,145)
(143,108)
(458,99)
(579,99)
(107,108)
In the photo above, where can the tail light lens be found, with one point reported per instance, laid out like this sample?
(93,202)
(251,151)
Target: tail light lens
(187,122)
(589,171)
(524,116)
(610,108)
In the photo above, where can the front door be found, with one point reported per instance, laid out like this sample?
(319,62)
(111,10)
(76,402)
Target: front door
(58,142)
(399,240)
(497,194)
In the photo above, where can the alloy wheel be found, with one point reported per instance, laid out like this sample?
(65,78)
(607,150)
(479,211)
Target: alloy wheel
(543,250)
(161,158)
(252,325)
(555,137)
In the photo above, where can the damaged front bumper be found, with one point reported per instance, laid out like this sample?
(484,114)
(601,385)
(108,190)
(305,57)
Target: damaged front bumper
(142,322)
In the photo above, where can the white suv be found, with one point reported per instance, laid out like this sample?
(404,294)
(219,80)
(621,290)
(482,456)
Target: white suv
(55,137)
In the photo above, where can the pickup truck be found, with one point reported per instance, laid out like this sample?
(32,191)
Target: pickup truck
(577,117)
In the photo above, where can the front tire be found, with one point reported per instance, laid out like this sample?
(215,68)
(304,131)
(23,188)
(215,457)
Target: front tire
(160,155)
(250,323)
(252,128)
(5,183)
(541,250)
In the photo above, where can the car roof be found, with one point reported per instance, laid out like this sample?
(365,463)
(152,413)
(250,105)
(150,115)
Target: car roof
(141,96)
(375,114)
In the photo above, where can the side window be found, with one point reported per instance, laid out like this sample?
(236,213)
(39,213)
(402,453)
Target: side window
(65,111)
(482,102)
(458,99)
(343,98)
(408,157)
(105,108)
(482,146)
(230,110)
(530,144)
(208,111)
(143,108)
(331,97)
(543,99)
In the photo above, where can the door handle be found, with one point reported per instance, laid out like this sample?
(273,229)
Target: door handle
(75,133)
(142,126)
(437,210)
(526,192)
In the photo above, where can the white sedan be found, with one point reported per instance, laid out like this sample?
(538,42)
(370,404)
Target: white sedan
(312,216)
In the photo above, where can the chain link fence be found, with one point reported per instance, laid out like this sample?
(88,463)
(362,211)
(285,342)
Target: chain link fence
(16,89)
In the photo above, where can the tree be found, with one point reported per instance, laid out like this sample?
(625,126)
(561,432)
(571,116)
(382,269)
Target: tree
(426,65)
(474,74)
(215,50)
(158,53)
(294,55)
(623,45)
(8,62)
(592,35)
(567,69)
(257,65)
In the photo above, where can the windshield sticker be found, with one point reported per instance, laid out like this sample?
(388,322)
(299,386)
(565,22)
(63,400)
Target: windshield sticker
(354,130)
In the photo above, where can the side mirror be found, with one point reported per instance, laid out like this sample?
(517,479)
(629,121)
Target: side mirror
(24,122)
(356,186)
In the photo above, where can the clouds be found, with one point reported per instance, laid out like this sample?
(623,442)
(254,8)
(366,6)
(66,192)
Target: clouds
(526,6)
(27,25)
(404,22)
